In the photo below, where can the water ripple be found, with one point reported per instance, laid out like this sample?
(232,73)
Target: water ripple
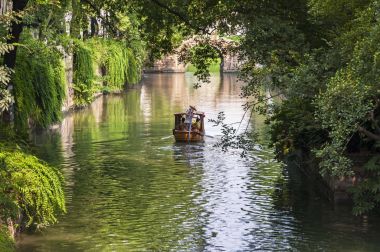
(130,187)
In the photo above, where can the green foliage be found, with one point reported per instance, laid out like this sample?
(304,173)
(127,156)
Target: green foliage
(336,12)
(84,75)
(117,64)
(350,97)
(134,69)
(245,141)
(6,98)
(76,18)
(202,56)
(213,68)
(366,194)
(6,241)
(47,17)
(120,64)
(83,95)
(29,187)
(39,84)
(341,109)
(365,62)
(294,127)
(4,48)
(331,88)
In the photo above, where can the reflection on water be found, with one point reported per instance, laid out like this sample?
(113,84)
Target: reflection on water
(130,187)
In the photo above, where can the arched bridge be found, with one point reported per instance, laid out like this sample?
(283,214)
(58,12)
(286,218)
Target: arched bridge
(174,63)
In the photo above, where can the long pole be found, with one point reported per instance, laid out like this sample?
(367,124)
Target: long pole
(188,138)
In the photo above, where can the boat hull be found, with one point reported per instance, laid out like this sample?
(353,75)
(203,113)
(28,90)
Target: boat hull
(183,136)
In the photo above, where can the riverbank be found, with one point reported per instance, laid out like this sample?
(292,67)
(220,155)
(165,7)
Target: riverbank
(69,73)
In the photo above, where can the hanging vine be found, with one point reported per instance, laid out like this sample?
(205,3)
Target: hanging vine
(39,84)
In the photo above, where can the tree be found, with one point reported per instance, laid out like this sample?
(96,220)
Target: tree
(8,49)
(15,30)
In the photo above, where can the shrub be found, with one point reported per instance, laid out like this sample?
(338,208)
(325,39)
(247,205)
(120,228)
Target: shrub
(29,187)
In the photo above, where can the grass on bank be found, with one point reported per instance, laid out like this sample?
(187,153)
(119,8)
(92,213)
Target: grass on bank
(214,67)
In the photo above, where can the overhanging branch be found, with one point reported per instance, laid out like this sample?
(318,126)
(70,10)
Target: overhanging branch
(176,13)
(369,133)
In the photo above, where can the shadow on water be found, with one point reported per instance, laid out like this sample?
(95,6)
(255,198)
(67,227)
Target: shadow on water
(130,187)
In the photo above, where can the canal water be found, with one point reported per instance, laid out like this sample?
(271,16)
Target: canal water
(130,187)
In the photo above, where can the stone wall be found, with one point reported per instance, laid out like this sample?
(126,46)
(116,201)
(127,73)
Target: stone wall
(171,64)
(68,58)
(68,63)
(168,64)
(231,63)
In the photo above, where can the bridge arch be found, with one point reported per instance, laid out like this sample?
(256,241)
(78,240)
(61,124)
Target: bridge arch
(175,62)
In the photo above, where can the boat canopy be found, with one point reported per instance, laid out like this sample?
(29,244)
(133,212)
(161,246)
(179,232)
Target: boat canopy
(202,114)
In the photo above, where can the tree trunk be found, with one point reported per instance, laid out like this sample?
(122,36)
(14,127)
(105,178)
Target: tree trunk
(10,57)
(94,27)
(221,66)
(4,6)
(76,19)
(15,32)
(85,22)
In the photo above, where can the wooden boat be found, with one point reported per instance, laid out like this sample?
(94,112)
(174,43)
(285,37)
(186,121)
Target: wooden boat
(189,132)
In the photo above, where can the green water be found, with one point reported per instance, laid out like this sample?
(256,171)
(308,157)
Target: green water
(130,187)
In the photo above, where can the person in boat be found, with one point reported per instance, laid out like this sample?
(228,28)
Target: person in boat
(182,125)
(189,117)
(196,126)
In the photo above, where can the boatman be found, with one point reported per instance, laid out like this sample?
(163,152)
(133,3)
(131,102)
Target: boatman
(189,117)
(197,124)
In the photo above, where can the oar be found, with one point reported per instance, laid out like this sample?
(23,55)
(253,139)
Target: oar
(188,138)
(109,141)
(166,137)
